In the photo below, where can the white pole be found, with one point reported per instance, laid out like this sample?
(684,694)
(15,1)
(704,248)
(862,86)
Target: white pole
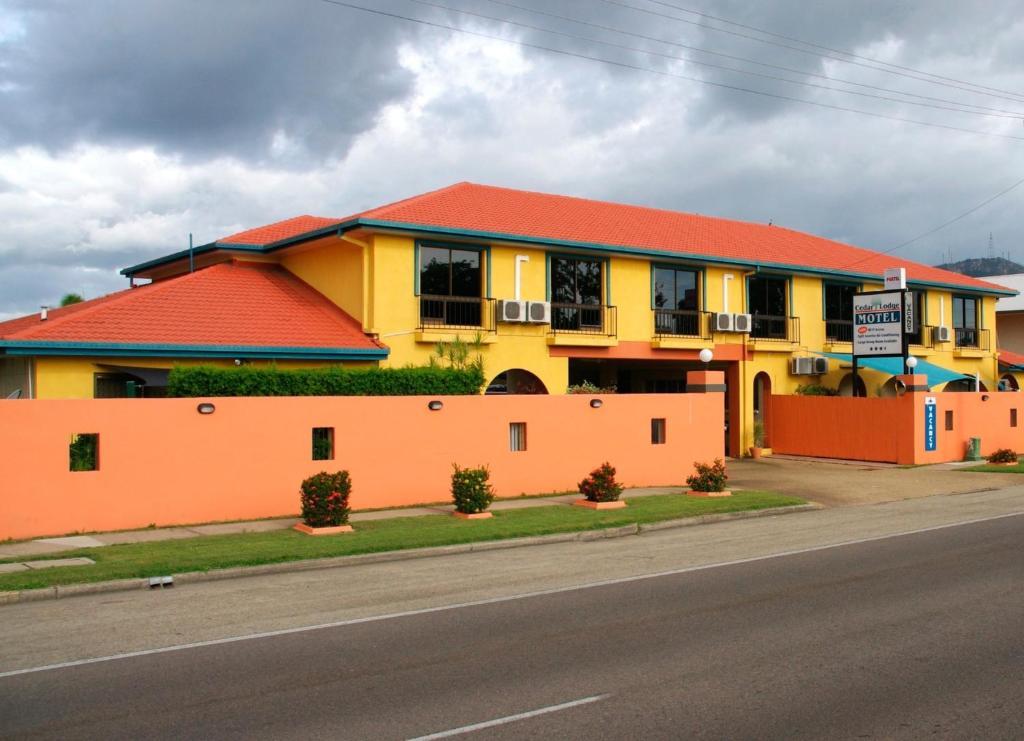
(725,292)
(520,259)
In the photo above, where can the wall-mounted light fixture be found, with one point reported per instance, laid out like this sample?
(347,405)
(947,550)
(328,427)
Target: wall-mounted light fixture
(911,364)
(435,405)
(206,408)
(984,397)
(596,403)
(706,356)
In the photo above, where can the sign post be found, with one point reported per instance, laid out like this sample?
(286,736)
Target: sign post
(883,322)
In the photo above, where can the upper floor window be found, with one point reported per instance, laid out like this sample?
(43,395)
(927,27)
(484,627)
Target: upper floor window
(839,311)
(766,301)
(965,321)
(676,301)
(916,337)
(450,286)
(576,293)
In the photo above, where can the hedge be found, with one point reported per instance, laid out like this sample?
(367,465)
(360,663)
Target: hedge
(251,381)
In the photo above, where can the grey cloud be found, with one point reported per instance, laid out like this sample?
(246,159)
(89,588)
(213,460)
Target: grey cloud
(196,77)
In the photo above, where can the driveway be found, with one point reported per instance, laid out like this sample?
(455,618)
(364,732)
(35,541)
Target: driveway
(849,483)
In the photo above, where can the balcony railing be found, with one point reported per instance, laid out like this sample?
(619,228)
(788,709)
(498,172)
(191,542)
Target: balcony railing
(970,337)
(839,330)
(682,323)
(775,328)
(923,337)
(457,312)
(590,319)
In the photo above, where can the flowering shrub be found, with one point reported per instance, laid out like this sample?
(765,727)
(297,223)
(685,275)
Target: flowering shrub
(1003,455)
(708,476)
(589,388)
(600,485)
(325,499)
(471,489)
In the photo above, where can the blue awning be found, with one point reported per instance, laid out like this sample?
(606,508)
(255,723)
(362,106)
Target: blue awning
(937,375)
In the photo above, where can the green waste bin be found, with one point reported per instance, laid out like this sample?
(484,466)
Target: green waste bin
(974,449)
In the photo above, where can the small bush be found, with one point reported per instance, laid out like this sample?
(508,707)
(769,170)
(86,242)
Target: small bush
(708,476)
(589,388)
(813,389)
(759,434)
(471,489)
(335,381)
(1003,455)
(600,485)
(325,499)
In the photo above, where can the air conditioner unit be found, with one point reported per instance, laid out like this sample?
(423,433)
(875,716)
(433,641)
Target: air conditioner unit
(725,322)
(820,366)
(511,311)
(940,334)
(741,323)
(802,366)
(538,312)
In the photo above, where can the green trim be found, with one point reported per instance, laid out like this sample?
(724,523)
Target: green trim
(342,227)
(131,350)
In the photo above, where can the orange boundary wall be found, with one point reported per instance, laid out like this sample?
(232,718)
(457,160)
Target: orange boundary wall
(162,462)
(893,429)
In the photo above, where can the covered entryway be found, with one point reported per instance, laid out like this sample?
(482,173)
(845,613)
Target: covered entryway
(516,381)
(762,404)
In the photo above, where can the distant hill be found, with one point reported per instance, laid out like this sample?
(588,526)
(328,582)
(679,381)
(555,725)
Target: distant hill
(978,266)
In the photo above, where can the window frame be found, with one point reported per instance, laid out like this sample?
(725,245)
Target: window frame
(485,263)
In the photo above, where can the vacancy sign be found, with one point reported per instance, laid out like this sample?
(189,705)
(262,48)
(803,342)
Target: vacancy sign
(878,323)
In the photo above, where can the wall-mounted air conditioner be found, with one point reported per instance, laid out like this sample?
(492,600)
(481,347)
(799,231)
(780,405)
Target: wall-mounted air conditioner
(940,334)
(538,312)
(802,366)
(820,366)
(511,310)
(741,323)
(725,322)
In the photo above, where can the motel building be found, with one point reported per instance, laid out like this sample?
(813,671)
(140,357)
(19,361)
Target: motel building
(559,292)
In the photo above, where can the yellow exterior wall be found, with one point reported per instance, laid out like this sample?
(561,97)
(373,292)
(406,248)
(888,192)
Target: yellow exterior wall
(73,378)
(335,268)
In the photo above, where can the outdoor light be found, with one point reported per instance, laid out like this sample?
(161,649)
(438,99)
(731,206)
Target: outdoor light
(435,405)
(596,403)
(706,355)
(911,363)
(206,408)
(984,397)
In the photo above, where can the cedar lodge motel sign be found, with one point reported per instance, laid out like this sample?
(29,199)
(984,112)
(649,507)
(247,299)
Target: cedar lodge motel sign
(882,324)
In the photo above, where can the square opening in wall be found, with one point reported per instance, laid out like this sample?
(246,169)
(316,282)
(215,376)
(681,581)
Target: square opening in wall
(949,420)
(323,443)
(517,436)
(1013,418)
(84,452)
(658,431)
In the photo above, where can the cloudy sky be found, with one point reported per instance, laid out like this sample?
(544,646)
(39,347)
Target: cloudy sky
(126,125)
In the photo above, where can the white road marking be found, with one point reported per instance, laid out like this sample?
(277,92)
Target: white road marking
(495,600)
(509,719)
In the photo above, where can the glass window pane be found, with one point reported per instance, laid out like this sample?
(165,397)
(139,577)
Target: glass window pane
(686,290)
(958,312)
(970,313)
(434,271)
(563,280)
(776,297)
(465,273)
(664,288)
(588,288)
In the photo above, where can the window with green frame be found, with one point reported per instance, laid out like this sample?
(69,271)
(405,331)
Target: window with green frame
(676,301)
(838,302)
(450,286)
(576,293)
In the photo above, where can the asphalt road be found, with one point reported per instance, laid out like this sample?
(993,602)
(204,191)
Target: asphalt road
(908,636)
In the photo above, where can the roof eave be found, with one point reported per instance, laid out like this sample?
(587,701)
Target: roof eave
(162,350)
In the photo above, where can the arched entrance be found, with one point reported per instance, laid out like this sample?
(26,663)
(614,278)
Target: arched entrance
(1008,383)
(516,381)
(965,384)
(847,387)
(892,387)
(762,405)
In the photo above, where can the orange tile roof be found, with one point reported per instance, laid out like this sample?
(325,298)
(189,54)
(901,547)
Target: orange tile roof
(234,304)
(487,212)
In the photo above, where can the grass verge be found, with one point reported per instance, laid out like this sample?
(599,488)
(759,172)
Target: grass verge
(989,468)
(399,533)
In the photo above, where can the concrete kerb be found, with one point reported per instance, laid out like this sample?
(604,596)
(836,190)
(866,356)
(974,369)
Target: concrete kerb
(194,577)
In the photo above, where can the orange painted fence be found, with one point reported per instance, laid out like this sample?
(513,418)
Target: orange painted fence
(893,429)
(162,462)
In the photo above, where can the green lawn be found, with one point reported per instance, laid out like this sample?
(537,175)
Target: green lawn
(250,549)
(989,468)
